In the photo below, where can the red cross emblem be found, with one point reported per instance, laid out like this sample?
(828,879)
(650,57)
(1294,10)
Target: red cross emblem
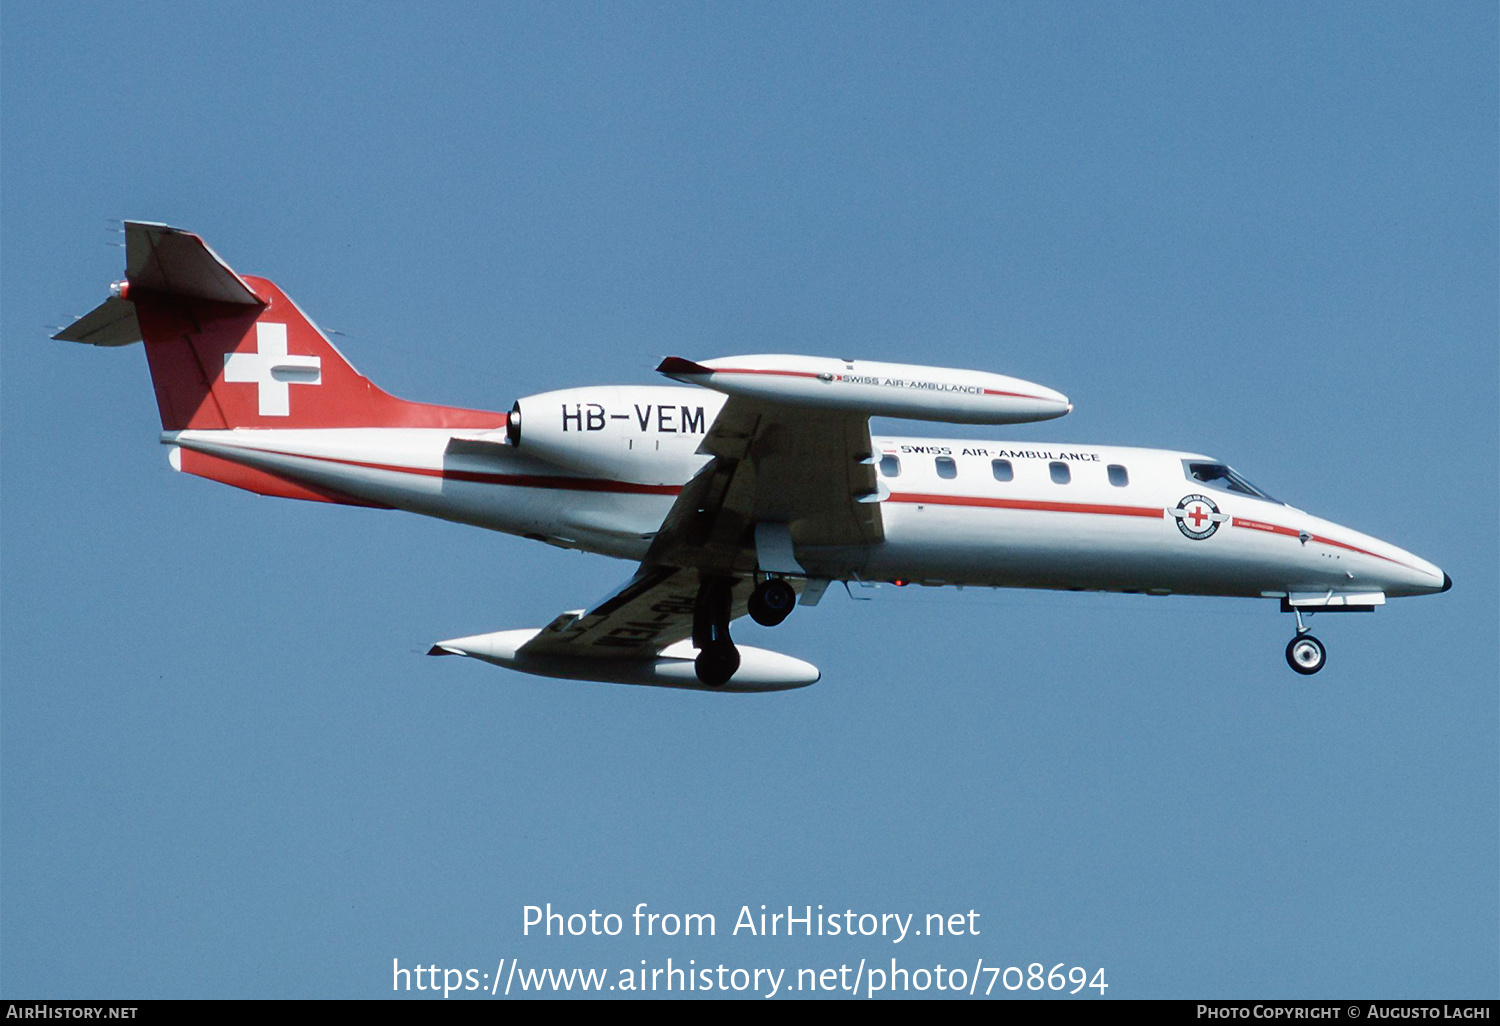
(1197,517)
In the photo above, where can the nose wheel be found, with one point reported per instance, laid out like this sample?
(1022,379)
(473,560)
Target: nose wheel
(1306,654)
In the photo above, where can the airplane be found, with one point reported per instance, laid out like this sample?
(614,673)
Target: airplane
(749,491)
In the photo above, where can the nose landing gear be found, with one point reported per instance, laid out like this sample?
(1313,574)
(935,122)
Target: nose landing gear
(1305,653)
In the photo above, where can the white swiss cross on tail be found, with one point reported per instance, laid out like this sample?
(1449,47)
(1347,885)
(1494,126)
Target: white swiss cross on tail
(272,370)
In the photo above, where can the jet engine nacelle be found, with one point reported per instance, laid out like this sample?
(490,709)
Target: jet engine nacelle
(647,433)
(875,389)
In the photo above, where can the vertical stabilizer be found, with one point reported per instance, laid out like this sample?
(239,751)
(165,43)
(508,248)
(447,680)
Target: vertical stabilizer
(232,351)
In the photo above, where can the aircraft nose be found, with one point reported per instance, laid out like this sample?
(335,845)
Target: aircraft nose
(1422,579)
(1425,579)
(1393,570)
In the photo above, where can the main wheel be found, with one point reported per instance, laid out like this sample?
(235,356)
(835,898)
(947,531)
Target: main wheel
(1306,654)
(716,664)
(772,602)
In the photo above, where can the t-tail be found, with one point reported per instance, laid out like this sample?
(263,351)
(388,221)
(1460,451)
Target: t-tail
(233,351)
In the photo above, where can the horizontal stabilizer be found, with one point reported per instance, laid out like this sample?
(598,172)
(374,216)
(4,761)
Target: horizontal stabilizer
(162,261)
(111,323)
(170,261)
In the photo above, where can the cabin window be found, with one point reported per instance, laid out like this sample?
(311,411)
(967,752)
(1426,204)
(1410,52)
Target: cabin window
(1002,470)
(1118,475)
(890,466)
(946,468)
(1060,472)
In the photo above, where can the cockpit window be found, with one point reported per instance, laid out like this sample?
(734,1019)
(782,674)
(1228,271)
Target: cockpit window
(1223,478)
(890,466)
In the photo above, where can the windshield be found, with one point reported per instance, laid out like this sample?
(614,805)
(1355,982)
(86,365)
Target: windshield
(1224,478)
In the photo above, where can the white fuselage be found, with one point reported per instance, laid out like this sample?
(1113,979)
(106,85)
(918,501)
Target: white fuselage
(610,476)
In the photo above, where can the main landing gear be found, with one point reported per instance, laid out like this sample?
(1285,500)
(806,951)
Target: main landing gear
(717,657)
(771,602)
(1305,653)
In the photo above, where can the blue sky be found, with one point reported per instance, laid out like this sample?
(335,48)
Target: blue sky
(1266,232)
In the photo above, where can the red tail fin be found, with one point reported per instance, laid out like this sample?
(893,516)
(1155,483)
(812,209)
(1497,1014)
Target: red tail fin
(218,366)
(231,351)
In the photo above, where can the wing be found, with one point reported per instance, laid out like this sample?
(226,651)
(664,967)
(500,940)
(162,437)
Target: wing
(790,491)
(638,635)
(652,610)
(782,477)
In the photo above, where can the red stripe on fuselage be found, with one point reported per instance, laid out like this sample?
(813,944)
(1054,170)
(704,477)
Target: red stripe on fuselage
(1260,525)
(590,484)
(263,482)
(1118,511)
(573,484)
(1150,512)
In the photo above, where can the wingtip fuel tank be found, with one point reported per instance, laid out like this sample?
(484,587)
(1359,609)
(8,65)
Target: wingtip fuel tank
(760,669)
(877,389)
